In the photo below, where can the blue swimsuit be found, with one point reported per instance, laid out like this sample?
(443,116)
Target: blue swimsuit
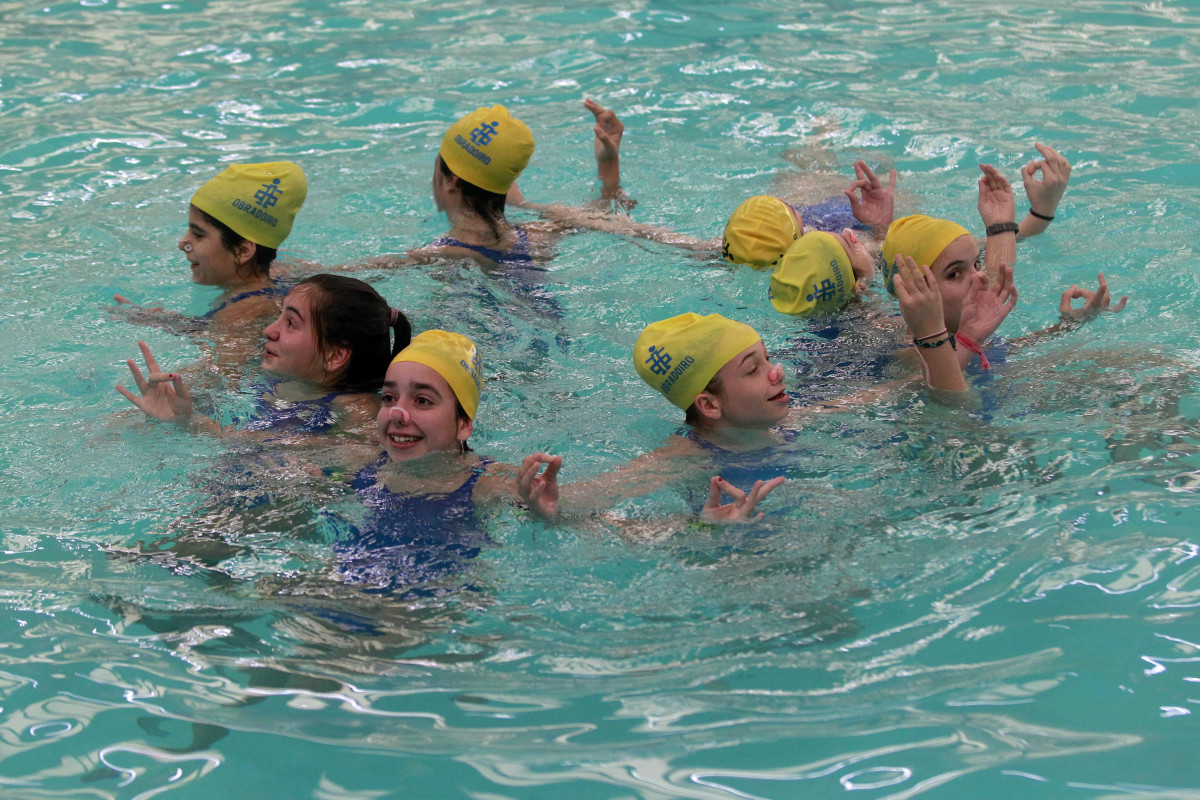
(268,291)
(408,539)
(519,256)
(832,215)
(291,416)
(741,469)
(519,270)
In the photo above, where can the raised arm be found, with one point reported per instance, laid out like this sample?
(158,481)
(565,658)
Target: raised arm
(921,306)
(997,209)
(1045,193)
(608,131)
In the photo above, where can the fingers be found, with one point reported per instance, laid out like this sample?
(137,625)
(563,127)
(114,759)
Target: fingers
(762,489)
(122,300)
(128,395)
(1120,306)
(528,470)
(594,107)
(151,364)
(992,178)
(553,465)
(714,493)
(865,173)
(528,478)
(892,181)
(1064,303)
(137,376)
(1054,159)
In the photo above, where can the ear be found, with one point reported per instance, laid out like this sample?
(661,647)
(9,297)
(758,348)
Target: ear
(245,251)
(465,426)
(336,360)
(708,406)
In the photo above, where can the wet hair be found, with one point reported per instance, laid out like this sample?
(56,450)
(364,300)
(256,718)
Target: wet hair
(486,205)
(349,313)
(692,415)
(260,265)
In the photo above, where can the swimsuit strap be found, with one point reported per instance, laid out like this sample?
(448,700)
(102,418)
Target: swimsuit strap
(237,298)
(518,255)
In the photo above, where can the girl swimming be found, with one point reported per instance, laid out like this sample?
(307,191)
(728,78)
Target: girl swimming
(236,222)
(735,400)
(327,351)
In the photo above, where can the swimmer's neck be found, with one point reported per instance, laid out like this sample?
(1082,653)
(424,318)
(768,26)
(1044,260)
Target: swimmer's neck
(294,389)
(467,226)
(727,437)
(240,286)
(432,466)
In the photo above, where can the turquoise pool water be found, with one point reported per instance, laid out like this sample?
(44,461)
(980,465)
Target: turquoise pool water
(939,604)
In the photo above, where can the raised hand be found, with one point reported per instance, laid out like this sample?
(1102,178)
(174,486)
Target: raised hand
(874,203)
(985,306)
(1044,193)
(537,489)
(608,130)
(996,203)
(163,395)
(920,300)
(743,504)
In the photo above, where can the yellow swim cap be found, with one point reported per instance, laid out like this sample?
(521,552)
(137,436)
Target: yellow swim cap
(814,276)
(680,355)
(455,358)
(488,147)
(258,202)
(759,232)
(921,238)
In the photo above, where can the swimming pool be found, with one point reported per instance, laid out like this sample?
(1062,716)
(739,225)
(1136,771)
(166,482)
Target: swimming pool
(999,604)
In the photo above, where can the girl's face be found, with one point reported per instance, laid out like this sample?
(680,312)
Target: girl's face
(291,347)
(212,263)
(418,414)
(954,269)
(752,393)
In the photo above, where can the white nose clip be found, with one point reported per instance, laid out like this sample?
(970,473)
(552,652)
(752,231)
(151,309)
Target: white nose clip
(401,413)
(187,247)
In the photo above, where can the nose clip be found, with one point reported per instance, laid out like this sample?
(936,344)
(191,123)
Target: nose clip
(397,410)
(776,374)
(186,247)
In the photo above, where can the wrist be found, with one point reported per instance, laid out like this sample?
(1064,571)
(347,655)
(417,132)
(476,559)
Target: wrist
(1001,228)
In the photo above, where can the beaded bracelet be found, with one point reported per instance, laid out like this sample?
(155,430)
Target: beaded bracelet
(939,343)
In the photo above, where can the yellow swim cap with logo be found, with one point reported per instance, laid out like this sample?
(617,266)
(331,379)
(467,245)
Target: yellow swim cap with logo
(488,147)
(258,202)
(813,277)
(677,357)
(455,358)
(919,237)
(759,232)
